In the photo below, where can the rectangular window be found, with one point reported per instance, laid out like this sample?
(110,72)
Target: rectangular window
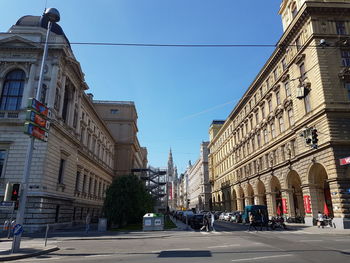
(284,64)
(275,74)
(270,105)
(84,184)
(278,98)
(291,117)
(61,171)
(345,58)
(251,123)
(258,136)
(90,185)
(273,133)
(2,161)
(77,180)
(263,112)
(340,27)
(75,118)
(281,124)
(266,137)
(287,88)
(257,118)
(57,99)
(268,84)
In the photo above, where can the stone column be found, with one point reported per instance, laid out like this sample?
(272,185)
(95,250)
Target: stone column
(52,87)
(62,91)
(309,191)
(271,203)
(29,89)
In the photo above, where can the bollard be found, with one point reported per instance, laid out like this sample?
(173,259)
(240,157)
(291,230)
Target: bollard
(47,231)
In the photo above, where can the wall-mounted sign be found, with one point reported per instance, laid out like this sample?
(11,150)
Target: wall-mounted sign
(307,204)
(345,161)
(284,206)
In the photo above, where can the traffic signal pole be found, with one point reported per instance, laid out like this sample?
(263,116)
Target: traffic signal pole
(28,162)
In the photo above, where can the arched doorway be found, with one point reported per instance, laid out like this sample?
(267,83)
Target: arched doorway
(321,199)
(250,197)
(240,201)
(276,196)
(219,202)
(296,204)
(228,201)
(261,193)
(234,204)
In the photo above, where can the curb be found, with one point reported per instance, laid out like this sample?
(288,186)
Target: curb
(113,238)
(16,257)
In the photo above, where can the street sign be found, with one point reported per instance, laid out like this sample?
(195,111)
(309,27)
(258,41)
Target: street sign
(39,107)
(345,161)
(35,131)
(38,120)
(7,205)
(17,230)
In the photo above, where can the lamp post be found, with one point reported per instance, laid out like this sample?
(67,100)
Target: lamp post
(53,16)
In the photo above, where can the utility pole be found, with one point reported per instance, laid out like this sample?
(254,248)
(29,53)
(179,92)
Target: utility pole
(53,16)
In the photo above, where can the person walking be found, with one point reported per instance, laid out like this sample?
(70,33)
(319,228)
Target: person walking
(204,222)
(264,222)
(252,222)
(212,219)
(87,223)
(320,220)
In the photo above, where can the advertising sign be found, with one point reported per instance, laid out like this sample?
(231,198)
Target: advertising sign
(307,204)
(39,107)
(38,120)
(284,206)
(35,131)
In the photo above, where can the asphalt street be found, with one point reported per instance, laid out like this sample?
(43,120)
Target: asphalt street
(229,243)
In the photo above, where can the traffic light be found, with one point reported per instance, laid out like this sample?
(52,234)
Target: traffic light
(314,138)
(15,192)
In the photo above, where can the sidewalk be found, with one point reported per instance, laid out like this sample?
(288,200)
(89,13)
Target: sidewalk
(180,225)
(29,248)
(315,230)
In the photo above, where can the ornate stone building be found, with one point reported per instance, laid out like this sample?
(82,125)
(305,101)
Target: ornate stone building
(257,156)
(71,171)
(199,188)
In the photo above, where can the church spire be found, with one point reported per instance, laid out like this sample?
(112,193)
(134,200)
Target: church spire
(170,166)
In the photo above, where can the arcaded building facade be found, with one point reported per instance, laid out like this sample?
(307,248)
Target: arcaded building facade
(258,156)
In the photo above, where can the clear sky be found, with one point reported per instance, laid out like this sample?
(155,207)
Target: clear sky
(178,91)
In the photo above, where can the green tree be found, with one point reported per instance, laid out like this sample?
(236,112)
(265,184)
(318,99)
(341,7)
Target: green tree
(127,200)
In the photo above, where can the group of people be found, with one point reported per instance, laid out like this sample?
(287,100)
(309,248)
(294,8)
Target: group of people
(208,222)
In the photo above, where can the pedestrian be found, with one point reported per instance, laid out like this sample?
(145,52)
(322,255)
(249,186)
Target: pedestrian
(263,221)
(87,223)
(252,222)
(212,217)
(320,220)
(204,222)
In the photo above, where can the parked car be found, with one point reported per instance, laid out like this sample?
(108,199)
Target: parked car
(236,217)
(217,214)
(187,214)
(197,221)
(227,216)
(221,216)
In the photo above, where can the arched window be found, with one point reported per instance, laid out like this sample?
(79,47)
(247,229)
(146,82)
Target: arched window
(12,92)
(294,10)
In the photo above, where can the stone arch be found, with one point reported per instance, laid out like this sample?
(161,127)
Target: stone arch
(276,197)
(321,199)
(234,205)
(227,204)
(240,198)
(261,193)
(250,195)
(295,194)
(14,67)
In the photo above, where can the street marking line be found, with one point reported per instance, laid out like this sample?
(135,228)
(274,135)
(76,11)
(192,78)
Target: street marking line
(216,233)
(257,258)
(310,240)
(224,246)
(95,256)
(37,259)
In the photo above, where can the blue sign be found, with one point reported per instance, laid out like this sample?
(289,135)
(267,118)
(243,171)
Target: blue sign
(17,230)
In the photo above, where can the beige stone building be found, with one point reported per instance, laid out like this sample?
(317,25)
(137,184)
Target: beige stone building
(121,119)
(71,172)
(257,156)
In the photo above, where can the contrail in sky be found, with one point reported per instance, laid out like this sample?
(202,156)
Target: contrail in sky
(207,110)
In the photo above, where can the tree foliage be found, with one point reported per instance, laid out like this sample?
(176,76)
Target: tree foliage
(127,200)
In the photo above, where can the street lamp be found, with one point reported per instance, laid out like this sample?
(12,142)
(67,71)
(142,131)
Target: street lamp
(53,16)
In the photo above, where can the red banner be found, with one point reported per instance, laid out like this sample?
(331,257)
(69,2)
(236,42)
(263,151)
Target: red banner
(307,204)
(284,206)
(345,161)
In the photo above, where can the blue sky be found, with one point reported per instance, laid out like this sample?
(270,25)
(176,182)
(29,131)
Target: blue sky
(177,91)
